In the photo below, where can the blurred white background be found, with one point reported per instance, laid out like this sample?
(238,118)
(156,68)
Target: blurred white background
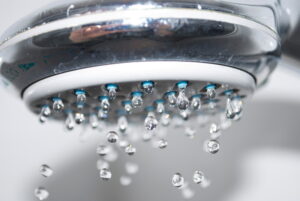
(259,158)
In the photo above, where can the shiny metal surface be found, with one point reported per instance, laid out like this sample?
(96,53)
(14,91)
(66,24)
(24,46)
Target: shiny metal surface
(246,43)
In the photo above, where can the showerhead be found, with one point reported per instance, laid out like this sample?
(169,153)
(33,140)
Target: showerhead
(118,58)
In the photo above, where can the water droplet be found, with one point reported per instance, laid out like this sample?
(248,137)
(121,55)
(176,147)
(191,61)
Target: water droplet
(112,91)
(182,101)
(234,108)
(105,174)
(214,128)
(184,114)
(125,180)
(131,168)
(148,86)
(177,180)
(112,137)
(122,123)
(160,108)
(128,108)
(105,105)
(70,121)
(211,92)
(171,98)
(42,118)
(41,193)
(46,171)
(79,118)
(198,177)
(46,111)
(137,100)
(58,105)
(150,121)
(196,103)
(130,150)
(162,143)
(94,121)
(102,114)
(102,150)
(80,97)
(215,131)
(165,119)
(212,146)
(190,132)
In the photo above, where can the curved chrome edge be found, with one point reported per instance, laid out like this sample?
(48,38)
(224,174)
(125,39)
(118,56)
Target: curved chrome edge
(172,13)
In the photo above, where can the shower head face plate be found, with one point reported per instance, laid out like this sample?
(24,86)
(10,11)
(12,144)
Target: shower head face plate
(130,79)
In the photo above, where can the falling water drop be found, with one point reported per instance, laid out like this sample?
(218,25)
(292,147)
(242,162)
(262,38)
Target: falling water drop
(130,150)
(45,111)
(160,108)
(234,107)
(214,128)
(162,144)
(196,102)
(147,86)
(165,119)
(104,103)
(127,104)
(79,117)
(105,174)
(122,123)
(102,114)
(46,171)
(211,91)
(184,114)
(42,118)
(41,193)
(137,99)
(112,91)
(215,131)
(94,121)
(70,121)
(212,146)
(150,121)
(112,137)
(198,177)
(177,180)
(125,180)
(57,105)
(131,168)
(171,98)
(182,101)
